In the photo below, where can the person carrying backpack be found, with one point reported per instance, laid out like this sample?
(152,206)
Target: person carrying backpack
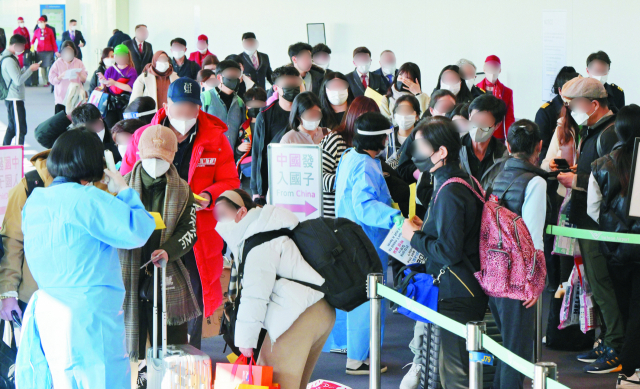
(296,317)
(449,237)
(521,188)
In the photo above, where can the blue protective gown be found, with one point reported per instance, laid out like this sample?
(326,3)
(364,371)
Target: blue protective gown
(73,328)
(362,196)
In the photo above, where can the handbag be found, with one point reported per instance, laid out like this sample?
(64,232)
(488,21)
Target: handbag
(100,99)
(418,286)
(8,356)
(563,245)
(243,371)
(145,290)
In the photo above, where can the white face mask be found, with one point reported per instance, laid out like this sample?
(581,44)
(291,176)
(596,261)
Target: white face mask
(455,88)
(581,117)
(21,24)
(310,125)
(162,66)
(101,134)
(72,28)
(324,66)
(203,51)
(178,54)
(337,97)
(389,69)
(40,25)
(251,50)
(404,122)
(67,56)
(208,87)
(492,78)
(226,223)
(602,79)
(480,135)
(19,52)
(155,167)
(122,149)
(182,125)
(108,62)
(470,83)
(364,68)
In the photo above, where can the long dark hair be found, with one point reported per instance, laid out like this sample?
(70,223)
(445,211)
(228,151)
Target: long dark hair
(627,129)
(411,71)
(464,95)
(568,128)
(329,117)
(360,105)
(302,102)
(564,75)
(105,54)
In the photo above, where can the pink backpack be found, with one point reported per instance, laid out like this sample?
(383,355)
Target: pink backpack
(510,266)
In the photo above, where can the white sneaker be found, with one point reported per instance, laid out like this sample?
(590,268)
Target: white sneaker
(411,380)
(632,381)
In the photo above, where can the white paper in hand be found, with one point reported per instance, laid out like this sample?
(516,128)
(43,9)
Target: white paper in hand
(400,248)
(71,74)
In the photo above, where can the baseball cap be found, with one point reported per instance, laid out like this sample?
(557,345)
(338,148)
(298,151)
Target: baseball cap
(248,35)
(203,37)
(158,142)
(185,89)
(20,18)
(492,58)
(586,87)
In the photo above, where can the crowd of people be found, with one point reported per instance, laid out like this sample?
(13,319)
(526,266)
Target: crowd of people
(189,134)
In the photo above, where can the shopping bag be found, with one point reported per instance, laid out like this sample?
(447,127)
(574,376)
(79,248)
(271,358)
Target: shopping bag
(570,310)
(324,384)
(563,245)
(230,375)
(100,100)
(589,318)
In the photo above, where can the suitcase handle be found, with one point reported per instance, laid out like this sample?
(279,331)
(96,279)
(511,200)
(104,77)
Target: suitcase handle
(155,309)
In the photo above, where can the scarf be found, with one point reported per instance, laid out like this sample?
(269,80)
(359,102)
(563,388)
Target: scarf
(162,79)
(182,305)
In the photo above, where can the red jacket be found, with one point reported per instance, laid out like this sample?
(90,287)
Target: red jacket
(212,169)
(505,94)
(46,44)
(25,33)
(197,57)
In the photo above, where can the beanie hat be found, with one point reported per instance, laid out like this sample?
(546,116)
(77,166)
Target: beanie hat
(158,142)
(121,50)
(203,38)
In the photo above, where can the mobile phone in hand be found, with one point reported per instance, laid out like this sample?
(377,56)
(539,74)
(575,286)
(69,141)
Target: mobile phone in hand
(562,163)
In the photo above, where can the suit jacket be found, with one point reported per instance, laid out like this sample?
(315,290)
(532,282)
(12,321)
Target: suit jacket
(140,60)
(376,83)
(260,75)
(386,80)
(66,36)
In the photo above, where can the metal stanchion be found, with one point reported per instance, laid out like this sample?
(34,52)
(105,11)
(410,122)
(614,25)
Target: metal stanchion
(475,329)
(375,310)
(541,371)
(537,352)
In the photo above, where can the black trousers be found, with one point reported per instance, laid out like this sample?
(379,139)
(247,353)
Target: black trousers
(60,107)
(626,283)
(17,118)
(454,357)
(195,325)
(175,334)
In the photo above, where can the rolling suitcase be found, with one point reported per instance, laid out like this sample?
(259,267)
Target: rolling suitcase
(31,57)
(174,366)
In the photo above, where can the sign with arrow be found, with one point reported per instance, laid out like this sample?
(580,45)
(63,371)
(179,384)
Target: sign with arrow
(295,179)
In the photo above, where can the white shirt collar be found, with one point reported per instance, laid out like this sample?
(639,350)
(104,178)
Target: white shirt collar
(360,74)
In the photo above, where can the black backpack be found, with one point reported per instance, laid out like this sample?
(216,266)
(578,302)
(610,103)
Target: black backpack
(4,88)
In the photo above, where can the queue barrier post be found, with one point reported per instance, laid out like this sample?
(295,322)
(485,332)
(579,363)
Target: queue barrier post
(375,311)
(542,371)
(475,330)
(538,326)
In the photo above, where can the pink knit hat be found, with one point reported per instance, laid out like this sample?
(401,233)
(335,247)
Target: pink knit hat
(158,142)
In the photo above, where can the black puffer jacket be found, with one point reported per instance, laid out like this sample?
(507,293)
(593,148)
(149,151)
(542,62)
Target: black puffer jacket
(613,212)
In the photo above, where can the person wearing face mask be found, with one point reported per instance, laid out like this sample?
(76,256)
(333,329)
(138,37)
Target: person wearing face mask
(407,81)
(335,98)
(449,237)
(321,56)
(451,79)
(223,101)
(366,201)
(75,36)
(87,115)
(460,117)
(118,82)
(161,190)
(66,70)
(441,103)
(406,114)
(387,70)
(143,108)
(588,103)
(254,63)
(300,55)
(271,125)
(181,65)
(122,132)
(141,50)
(22,30)
(304,121)
(155,79)
(598,67)
(467,70)
(256,100)
(14,78)
(72,231)
(490,83)
(44,40)
(361,79)
(205,160)
(207,80)
(246,82)
(107,59)
(297,318)
(203,50)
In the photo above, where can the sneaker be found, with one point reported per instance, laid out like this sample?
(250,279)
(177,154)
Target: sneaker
(338,350)
(592,355)
(608,362)
(625,382)
(411,380)
(142,378)
(364,370)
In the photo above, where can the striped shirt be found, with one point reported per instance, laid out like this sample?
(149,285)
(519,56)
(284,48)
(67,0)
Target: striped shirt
(333,146)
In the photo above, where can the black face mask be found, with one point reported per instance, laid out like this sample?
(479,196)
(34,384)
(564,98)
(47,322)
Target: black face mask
(290,94)
(400,86)
(422,163)
(253,112)
(231,83)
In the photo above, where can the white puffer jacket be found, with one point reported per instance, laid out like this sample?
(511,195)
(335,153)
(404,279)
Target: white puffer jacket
(267,303)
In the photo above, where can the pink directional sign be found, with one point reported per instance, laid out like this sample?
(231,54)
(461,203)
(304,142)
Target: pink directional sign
(11,172)
(295,179)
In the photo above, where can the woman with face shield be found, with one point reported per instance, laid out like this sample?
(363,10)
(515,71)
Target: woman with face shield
(297,319)
(155,79)
(161,190)
(449,237)
(66,70)
(71,232)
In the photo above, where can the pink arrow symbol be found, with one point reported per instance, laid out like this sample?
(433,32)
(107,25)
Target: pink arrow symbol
(307,208)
